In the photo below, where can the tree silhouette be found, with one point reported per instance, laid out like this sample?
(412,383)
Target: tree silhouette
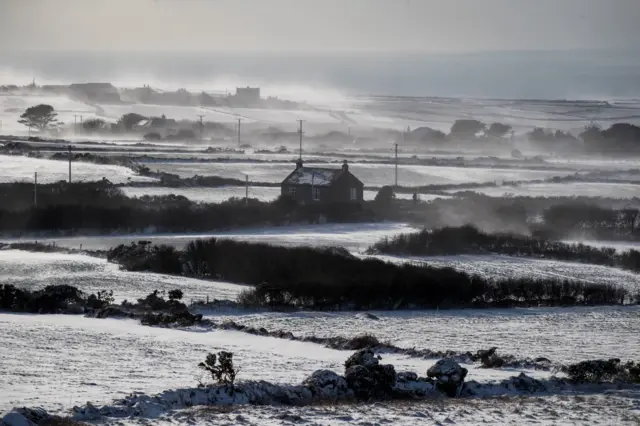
(467,128)
(93,124)
(41,117)
(498,130)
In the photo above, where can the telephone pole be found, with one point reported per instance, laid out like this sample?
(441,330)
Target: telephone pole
(246,189)
(300,131)
(239,121)
(396,144)
(35,189)
(69,163)
(201,125)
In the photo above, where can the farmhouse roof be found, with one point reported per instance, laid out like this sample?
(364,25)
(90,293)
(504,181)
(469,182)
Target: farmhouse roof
(316,176)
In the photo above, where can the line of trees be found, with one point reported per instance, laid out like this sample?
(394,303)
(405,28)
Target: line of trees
(619,137)
(332,279)
(469,240)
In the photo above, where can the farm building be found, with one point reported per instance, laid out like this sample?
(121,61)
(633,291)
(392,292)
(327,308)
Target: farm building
(323,185)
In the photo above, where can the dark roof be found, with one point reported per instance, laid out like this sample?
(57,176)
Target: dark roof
(315,176)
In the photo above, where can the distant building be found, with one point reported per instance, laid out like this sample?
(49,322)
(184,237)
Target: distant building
(322,185)
(247,95)
(96,92)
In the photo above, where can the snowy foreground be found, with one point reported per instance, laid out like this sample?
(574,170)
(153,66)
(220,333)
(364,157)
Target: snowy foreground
(75,360)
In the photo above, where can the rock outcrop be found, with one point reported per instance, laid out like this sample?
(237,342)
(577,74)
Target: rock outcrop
(448,376)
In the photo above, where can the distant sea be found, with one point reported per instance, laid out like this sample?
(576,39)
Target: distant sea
(576,75)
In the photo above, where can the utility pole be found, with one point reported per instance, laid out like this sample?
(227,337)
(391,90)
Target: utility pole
(69,163)
(300,131)
(35,189)
(246,190)
(239,121)
(201,125)
(396,165)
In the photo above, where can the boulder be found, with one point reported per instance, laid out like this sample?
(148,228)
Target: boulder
(370,381)
(360,379)
(15,419)
(407,376)
(36,415)
(88,412)
(526,384)
(327,384)
(363,357)
(449,376)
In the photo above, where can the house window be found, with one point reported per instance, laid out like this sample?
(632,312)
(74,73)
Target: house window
(316,194)
(292,191)
(354,194)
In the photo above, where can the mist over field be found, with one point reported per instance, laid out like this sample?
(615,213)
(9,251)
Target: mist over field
(272,212)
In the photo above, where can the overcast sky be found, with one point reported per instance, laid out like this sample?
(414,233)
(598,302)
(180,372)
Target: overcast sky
(318,25)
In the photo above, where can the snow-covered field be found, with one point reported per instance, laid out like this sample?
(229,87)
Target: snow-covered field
(22,169)
(569,189)
(561,334)
(354,237)
(72,359)
(497,267)
(89,274)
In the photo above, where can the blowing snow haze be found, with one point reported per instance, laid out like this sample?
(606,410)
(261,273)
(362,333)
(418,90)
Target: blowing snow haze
(328,212)
(493,48)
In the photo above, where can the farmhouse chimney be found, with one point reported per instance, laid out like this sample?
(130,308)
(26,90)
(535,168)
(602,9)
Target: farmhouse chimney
(345,166)
(299,163)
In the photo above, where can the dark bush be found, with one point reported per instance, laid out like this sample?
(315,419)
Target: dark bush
(596,371)
(286,277)
(152,136)
(220,367)
(176,294)
(469,240)
(100,300)
(50,300)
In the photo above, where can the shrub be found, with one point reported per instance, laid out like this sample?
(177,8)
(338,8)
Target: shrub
(595,371)
(220,367)
(385,196)
(175,294)
(101,299)
(152,136)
